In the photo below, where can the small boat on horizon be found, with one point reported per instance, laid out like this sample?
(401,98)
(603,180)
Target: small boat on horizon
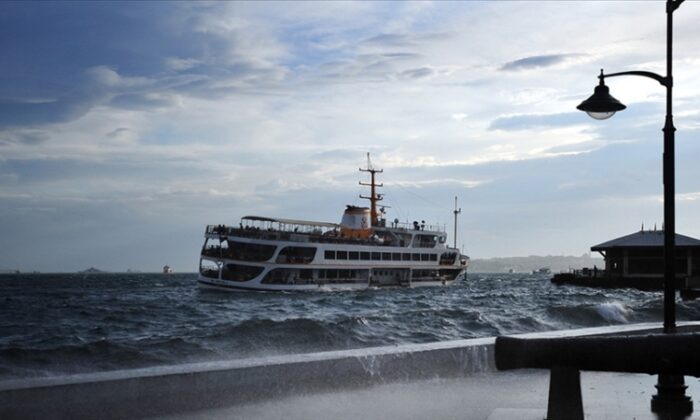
(362,251)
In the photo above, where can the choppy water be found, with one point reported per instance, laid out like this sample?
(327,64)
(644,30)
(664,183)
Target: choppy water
(70,323)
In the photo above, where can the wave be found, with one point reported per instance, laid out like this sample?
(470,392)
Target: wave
(86,323)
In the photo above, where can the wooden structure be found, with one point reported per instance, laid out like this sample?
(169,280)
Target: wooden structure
(637,261)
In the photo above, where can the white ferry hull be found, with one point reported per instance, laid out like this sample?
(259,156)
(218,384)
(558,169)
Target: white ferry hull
(219,285)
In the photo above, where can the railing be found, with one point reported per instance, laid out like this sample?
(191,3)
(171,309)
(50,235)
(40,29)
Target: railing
(589,272)
(416,227)
(669,354)
(275,235)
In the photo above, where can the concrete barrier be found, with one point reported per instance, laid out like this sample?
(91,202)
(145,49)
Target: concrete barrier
(181,388)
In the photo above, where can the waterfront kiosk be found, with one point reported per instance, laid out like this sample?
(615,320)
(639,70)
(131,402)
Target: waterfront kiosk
(637,260)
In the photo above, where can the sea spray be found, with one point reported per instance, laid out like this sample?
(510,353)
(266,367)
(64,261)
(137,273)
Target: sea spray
(613,312)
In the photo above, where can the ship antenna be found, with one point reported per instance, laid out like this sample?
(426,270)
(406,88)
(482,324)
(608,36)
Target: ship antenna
(456,212)
(374,197)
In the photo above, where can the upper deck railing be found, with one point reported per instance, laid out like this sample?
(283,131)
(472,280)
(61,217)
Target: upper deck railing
(413,226)
(315,236)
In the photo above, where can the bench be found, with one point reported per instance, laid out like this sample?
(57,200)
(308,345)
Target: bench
(669,355)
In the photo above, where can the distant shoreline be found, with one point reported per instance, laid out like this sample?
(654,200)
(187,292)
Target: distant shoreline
(556,263)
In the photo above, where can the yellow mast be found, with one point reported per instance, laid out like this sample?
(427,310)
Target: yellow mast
(374,197)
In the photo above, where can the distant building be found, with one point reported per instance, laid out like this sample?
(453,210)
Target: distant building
(637,260)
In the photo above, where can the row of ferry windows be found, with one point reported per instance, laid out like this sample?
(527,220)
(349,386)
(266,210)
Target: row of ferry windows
(378,256)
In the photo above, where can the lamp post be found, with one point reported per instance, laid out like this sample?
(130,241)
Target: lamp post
(601,105)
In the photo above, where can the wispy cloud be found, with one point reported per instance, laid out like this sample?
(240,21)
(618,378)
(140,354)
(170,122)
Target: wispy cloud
(539,61)
(530,121)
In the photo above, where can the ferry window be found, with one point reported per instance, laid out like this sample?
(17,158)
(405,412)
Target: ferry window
(330,255)
(278,276)
(305,274)
(386,256)
(450,274)
(209,269)
(376,256)
(396,256)
(416,257)
(404,239)
(321,274)
(249,252)
(364,255)
(448,258)
(425,257)
(433,257)
(354,255)
(236,272)
(296,255)
(425,241)
(332,274)
(406,256)
(341,255)
(343,274)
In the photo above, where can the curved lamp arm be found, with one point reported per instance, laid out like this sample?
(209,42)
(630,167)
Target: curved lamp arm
(665,81)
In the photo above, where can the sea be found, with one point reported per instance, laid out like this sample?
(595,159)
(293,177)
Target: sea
(57,324)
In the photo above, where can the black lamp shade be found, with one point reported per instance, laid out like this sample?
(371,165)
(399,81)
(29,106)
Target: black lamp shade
(601,104)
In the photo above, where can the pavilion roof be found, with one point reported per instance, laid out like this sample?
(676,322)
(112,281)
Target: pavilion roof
(645,238)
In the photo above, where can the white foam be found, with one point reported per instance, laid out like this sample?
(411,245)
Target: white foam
(614,312)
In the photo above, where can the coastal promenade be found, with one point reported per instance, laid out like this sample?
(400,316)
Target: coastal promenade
(442,380)
(490,396)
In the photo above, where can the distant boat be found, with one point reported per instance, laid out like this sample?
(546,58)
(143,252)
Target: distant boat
(542,270)
(91,270)
(167,269)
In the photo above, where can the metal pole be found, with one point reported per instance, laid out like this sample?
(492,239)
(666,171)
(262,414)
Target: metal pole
(669,185)
(456,212)
(670,397)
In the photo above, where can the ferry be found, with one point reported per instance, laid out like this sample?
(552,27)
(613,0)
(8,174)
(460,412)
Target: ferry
(362,251)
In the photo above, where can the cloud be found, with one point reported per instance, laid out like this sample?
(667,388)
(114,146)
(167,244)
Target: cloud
(27,137)
(137,57)
(419,73)
(530,121)
(20,113)
(179,114)
(117,132)
(336,155)
(538,61)
(691,196)
(430,183)
(575,148)
(144,101)
(394,40)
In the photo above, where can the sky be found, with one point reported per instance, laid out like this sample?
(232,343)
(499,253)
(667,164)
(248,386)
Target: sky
(126,128)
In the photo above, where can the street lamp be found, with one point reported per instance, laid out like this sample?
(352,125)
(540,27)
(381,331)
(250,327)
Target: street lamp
(601,105)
